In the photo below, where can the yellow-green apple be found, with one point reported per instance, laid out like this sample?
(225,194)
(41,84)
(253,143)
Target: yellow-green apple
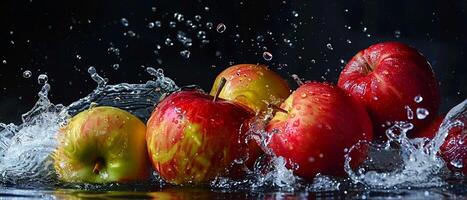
(193,137)
(253,85)
(321,122)
(102,145)
(389,78)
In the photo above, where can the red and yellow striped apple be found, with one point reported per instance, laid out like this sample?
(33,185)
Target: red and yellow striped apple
(253,85)
(192,137)
(387,77)
(102,145)
(320,122)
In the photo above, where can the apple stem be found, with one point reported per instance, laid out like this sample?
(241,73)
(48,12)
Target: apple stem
(219,88)
(277,108)
(98,166)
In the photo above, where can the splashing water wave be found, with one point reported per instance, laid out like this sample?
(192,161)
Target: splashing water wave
(25,149)
(414,162)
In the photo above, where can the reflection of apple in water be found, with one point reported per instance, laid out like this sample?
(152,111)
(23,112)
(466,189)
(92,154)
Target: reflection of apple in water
(100,145)
(321,122)
(192,138)
(252,85)
(386,78)
(454,148)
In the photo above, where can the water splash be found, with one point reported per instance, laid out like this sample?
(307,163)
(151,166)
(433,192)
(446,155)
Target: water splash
(402,161)
(25,149)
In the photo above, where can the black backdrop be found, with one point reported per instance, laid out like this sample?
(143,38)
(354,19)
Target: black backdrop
(308,38)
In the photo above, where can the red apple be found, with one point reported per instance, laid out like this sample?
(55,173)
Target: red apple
(454,149)
(386,78)
(253,85)
(321,122)
(192,138)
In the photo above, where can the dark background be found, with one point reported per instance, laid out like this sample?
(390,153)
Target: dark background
(46,36)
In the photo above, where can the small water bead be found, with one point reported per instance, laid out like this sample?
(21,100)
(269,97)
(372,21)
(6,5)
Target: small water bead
(78,57)
(158,24)
(115,66)
(295,13)
(418,99)
(267,56)
(422,113)
(42,79)
(409,112)
(169,42)
(172,24)
(457,163)
(397,34)
(364,29)
(198,18)
(209,25)
(179,17)
(221,28)
(27,74)
(201,34)
(260,38)
(125,22)
(329,46)
(4,61)
(151,25)
(185,54)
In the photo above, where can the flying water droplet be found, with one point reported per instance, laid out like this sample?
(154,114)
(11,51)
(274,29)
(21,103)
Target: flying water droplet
(457,163)
(295,13)
(418,99)
(397,34)
(329,46)
(267,56)
(151,25)
(422,113)
(169,42)
(221,28)
(185,54)
(409,112)
(42,79)
(4,61)
(115,66)
(125,22)
(27,74)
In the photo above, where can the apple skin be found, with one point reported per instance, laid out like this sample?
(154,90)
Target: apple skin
(386,77)
(322,120)
(252,85)
(109,136)
(455,144)
(192,139)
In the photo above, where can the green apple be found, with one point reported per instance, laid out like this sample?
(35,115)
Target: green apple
(102,145)
(255,86)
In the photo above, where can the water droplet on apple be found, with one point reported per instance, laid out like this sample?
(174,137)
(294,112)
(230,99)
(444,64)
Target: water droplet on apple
(311,159)
(303,95)
(418,99)
(422,113)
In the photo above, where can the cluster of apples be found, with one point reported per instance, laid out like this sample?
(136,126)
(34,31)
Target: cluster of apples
(192,137)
